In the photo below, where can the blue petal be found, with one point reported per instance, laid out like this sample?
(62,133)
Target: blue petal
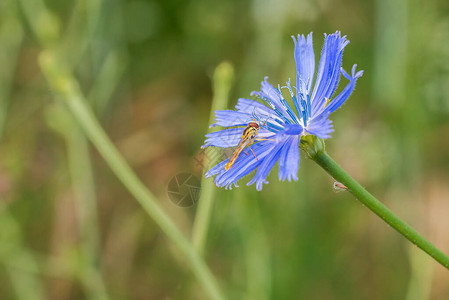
(223,138)
(266,166)
(328,70)
(243,165)
(216,169)
(322,131)
(258,111)
(230,137)
(305,61)
(274,98)
(292,129)
(250,106)
(289,159)
(288,131)
(228,118)
(321,126)
(341,98)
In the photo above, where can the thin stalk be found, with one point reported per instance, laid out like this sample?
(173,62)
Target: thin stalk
(65,86)
(11,36)
(256,247)
(86,203)
(83,185)
(27,285)
(331,167)
(13,254)
(223,78)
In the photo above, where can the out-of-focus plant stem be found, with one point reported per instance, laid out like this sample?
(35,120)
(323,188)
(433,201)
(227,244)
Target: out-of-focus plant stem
(83,183)
(66,87)
(256,247)
(27,285)
(46,28)
(79,162)
(331,167)
(222,82)
(13,252)
(11,35)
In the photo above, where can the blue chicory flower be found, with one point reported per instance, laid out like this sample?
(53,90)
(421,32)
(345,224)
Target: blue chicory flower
(280,127)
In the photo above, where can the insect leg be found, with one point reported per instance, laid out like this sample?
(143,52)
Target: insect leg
(253,152)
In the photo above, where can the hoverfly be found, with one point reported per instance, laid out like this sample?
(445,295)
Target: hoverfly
(248,136)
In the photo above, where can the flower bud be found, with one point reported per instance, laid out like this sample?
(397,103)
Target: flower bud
(312,145)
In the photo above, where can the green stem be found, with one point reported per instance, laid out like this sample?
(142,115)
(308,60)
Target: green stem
(11,36)
(331,167)
(223,77)
(85,200)
(14,254)
(66,87)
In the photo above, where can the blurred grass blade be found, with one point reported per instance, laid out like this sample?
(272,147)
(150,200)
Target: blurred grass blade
(86,202)
(65,86)
(222,82)
(107,80)
(13,254)
(82,178)
(44,24)
(256,247)
(421,274)
(11,35)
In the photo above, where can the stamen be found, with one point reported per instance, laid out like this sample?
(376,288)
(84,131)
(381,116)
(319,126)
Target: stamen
(273,128)
(309,105)
(287,107)
(305,103)
(278,112)
(295,101)
(304,113)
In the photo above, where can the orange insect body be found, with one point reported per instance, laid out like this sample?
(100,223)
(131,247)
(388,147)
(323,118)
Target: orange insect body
(247,139)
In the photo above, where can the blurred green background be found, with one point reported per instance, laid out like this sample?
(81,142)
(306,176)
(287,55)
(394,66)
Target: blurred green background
(70,230)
